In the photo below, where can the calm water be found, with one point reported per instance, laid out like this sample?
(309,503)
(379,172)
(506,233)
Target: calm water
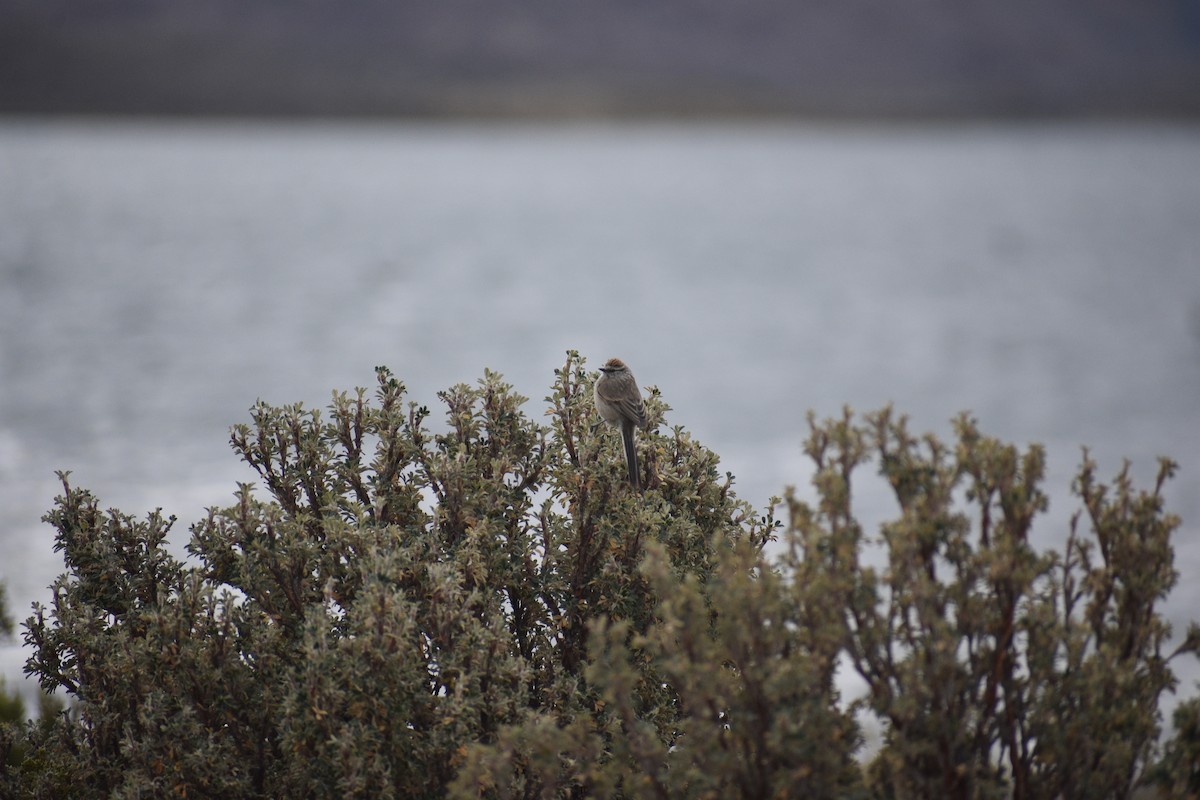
(158,279)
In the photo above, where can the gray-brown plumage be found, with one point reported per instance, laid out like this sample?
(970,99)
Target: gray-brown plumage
(620,404)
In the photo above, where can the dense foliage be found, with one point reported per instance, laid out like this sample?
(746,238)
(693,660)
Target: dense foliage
(486,609)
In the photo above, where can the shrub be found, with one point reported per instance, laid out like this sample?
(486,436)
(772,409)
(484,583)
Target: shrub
(997,669)
(486,609)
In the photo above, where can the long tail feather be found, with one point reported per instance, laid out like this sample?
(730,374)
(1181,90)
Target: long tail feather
(630,455)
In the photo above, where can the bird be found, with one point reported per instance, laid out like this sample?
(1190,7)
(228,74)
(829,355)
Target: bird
(620,404)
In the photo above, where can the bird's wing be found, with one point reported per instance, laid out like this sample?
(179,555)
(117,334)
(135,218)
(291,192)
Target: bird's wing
(621,393)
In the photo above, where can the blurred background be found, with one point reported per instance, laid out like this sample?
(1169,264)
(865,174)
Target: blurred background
(764,207)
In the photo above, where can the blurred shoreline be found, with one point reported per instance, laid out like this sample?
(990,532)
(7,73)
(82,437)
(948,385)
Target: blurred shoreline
(546,60)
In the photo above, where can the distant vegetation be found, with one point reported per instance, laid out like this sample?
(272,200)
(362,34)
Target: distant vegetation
(482,607)
(549,58)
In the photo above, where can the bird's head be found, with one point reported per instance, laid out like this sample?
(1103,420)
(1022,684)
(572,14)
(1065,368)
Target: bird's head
(614,365)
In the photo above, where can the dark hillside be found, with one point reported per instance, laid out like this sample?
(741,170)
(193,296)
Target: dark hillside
(554,58)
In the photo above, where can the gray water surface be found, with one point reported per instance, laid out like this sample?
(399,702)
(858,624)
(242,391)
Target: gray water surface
(158,278)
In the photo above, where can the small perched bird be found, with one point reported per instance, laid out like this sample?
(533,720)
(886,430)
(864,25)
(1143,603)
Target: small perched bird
(620,404)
